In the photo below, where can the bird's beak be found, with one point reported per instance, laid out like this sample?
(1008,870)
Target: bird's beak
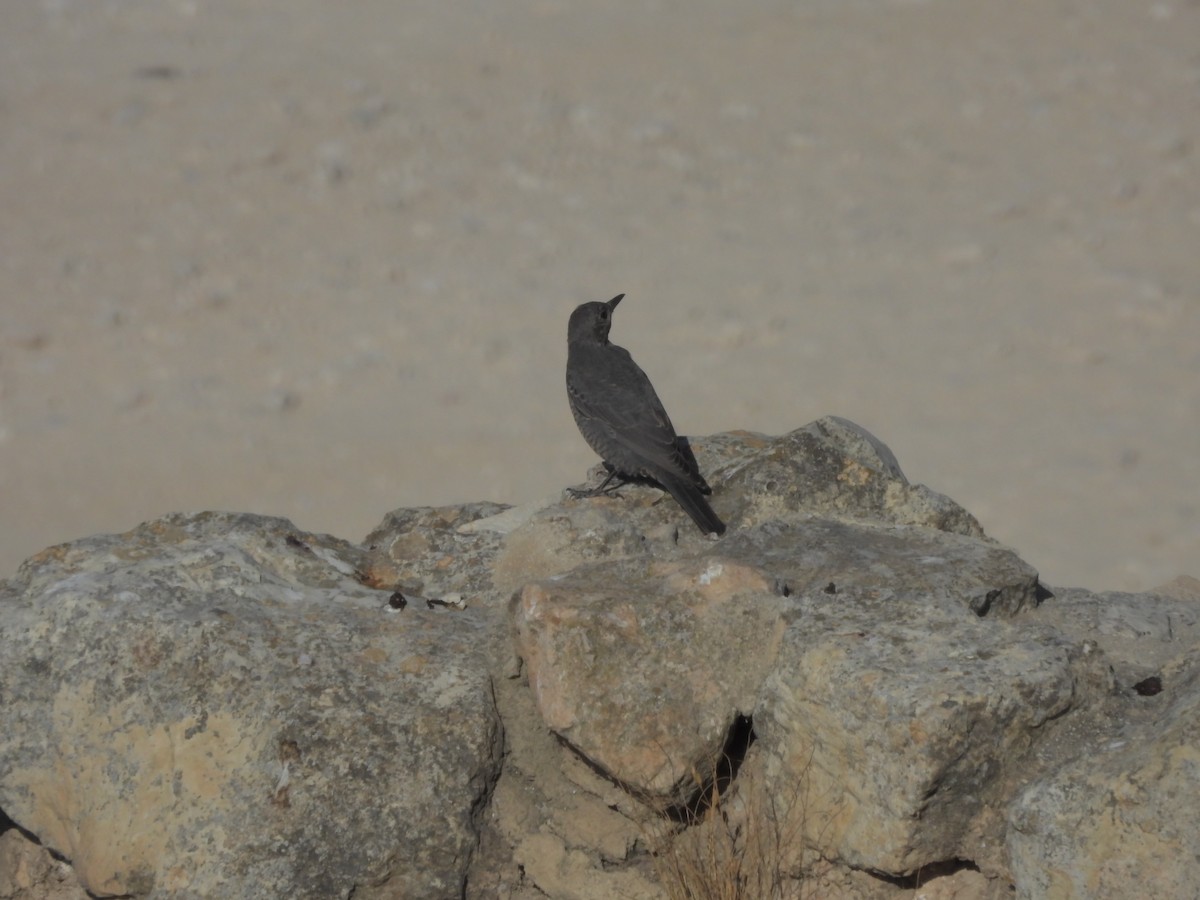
(612,304)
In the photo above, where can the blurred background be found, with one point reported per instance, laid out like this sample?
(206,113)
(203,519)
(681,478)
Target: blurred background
(316,259)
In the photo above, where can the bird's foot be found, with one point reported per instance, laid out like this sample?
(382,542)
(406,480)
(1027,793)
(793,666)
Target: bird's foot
(602,491)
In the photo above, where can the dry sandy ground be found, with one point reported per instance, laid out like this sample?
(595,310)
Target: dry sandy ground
(316,259)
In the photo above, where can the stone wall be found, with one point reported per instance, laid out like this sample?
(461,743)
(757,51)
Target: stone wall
(854,693)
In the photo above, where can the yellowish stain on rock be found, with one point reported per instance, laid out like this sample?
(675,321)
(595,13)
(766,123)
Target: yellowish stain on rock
(107,802)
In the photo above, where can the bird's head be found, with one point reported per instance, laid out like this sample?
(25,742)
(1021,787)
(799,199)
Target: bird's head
(591,321)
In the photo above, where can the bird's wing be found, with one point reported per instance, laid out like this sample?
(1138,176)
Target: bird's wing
(621,398)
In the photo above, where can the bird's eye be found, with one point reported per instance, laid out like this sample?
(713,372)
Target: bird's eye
(604,312)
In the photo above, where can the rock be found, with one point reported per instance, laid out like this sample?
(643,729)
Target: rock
(854,694)
(434,551)
(210,705)
(903,689)
(1116,817)
(1182,587)
(1119,819)
(903,717)
(557,826)
(559,538)
(643,666)
(568,874)
(1141,635)
(880,682)
(28,870)
(965,884)
(831,467)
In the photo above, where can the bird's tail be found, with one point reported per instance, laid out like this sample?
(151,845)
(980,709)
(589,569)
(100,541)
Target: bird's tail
(692,500)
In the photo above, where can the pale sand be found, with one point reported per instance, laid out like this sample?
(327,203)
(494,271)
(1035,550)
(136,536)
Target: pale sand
(316,259)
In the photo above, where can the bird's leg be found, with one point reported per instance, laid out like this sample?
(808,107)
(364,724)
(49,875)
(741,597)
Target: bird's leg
(579,493)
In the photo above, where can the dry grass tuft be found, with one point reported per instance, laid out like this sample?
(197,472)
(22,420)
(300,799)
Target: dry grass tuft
(735,844)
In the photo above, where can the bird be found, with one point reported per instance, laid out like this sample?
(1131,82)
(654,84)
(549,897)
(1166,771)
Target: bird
(622,419)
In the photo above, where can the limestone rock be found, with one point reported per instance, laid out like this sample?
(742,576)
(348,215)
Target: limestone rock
(560,538)
(1141,635)
(220,705)
(1116,817)
(643,666)
(557,826)
(1119,819)
(878,661)
(879,682)
(902,717)
(433,551)
(831,467)
(210,705)
(28,870)
(906,678)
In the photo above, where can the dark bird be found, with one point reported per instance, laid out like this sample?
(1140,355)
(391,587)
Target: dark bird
(622,419)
